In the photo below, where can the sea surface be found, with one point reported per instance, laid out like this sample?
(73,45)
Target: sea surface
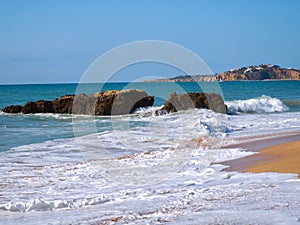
(143,168)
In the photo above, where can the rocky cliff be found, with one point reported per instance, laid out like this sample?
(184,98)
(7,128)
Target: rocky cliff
(101,103)
(261,72)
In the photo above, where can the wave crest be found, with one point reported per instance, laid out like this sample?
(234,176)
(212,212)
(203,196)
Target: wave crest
(263,104)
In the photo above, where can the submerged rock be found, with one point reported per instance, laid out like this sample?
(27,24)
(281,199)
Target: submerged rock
(101,103)
(201,100)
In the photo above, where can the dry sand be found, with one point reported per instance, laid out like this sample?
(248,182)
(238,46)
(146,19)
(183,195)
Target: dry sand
(283,158)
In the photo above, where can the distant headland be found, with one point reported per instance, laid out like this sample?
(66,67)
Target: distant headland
(248,73)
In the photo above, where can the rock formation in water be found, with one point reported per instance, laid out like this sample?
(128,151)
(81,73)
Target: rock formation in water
(101,103)
(211,101)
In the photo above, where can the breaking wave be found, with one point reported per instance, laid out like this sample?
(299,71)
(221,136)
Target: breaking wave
(263,104)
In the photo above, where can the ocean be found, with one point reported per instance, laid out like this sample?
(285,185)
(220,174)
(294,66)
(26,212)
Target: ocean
(143,168)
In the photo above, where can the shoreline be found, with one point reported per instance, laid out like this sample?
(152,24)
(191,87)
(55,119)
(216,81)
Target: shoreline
(272,154)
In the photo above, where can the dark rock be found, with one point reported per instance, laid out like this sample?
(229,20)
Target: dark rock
(38,107)
(111,102)
(84,104)
(45,106)
(216,103)
(195,100)
(127,101)
(63,104)
(12,109)
(102,103)
(29,107)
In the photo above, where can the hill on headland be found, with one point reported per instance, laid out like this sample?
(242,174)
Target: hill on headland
(248,73)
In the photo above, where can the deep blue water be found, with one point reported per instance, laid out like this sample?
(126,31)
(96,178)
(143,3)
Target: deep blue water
(16,130)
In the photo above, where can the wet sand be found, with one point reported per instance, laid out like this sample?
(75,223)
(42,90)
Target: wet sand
(276,154)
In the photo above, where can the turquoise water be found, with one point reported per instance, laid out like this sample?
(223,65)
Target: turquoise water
(16,130)
(288,91)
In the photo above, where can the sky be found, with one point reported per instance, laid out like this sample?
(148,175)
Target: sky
(55,41)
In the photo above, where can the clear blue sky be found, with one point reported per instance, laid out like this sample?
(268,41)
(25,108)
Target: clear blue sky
(55,41)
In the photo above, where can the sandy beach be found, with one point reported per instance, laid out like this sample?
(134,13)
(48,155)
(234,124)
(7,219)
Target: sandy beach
(283,157)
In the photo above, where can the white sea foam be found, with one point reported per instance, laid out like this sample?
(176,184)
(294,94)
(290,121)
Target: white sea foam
(157,169)
(263,104)
(147,111)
